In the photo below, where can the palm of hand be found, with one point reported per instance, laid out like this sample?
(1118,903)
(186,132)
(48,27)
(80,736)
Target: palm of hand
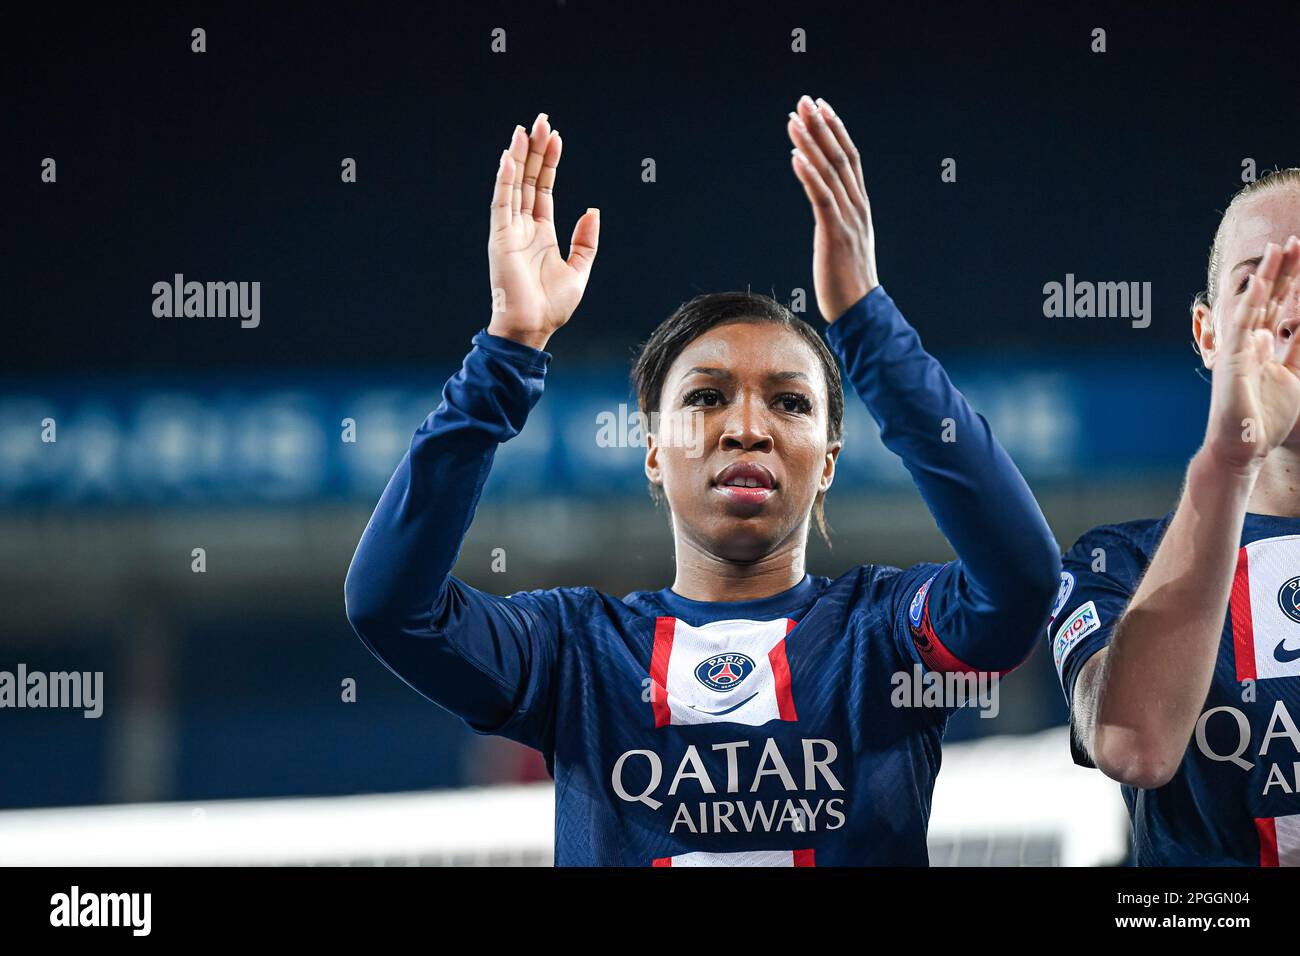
(1255,399)
(534,289)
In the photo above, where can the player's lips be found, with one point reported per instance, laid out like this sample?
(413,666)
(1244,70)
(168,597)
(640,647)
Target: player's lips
(746,482)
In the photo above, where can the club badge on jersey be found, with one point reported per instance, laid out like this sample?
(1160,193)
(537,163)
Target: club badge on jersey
(918,621)
(1062,595)
(1265,609)
(733,671)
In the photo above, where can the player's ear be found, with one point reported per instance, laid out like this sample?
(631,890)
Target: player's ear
(652,469)
(833,450)
(1203,331)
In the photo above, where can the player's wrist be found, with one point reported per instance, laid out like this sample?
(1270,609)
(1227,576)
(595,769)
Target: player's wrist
(837,310)
(1216,472)
(532,338)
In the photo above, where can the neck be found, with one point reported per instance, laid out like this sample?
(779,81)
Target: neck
(1276,488)
(704,576)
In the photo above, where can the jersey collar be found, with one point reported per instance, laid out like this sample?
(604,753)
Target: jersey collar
(768,608)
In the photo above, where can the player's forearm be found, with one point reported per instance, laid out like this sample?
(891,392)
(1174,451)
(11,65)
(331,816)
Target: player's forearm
(978,497)
(1161,657)
(412,541)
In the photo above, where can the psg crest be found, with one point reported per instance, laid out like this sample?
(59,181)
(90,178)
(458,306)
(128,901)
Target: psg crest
(1288,599)
(724,671)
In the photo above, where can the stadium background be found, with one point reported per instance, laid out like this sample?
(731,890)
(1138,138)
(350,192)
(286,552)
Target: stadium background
(176,434)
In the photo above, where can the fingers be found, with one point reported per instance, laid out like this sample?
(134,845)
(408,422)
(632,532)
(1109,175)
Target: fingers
(1248,314)
(810,135)
(841,134)
(1280,288)
(819,195)
(1260,296)
(526,175)
(837,158)
(1270,264)
(583,245)
(502,192)
(537,143)
(518,153)
(1288,281)
(544,207)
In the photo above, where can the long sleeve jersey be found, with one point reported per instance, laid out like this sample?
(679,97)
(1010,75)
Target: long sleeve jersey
(1235,800)
(682,732)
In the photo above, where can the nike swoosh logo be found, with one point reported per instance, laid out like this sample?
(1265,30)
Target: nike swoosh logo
(1283,654)
(719,713)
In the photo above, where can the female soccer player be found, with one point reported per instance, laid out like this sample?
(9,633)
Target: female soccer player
(766,735)
(1178,640)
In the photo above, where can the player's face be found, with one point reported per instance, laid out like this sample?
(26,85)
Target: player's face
(1271,216)
(740,447)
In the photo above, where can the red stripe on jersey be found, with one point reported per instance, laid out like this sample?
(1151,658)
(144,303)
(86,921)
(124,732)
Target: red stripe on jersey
(1243,628)
(781,675)
(663,649)
(804,858)
(662,861)
(1267,828)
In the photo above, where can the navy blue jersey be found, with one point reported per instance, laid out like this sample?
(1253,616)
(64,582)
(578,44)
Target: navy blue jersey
(681,732)
(1235,800)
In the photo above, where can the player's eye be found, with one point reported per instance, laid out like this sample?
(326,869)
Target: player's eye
(794,402)
(1241,286)
(706,397)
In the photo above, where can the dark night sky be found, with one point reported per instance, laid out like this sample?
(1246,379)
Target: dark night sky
(225,166)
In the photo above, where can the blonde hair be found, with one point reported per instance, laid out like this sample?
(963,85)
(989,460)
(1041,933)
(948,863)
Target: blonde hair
(1272,179)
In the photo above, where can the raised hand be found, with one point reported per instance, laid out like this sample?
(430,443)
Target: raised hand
(1255,395)
(534,289)
(844,244)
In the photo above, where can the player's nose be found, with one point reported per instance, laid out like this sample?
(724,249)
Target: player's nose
(746,425)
